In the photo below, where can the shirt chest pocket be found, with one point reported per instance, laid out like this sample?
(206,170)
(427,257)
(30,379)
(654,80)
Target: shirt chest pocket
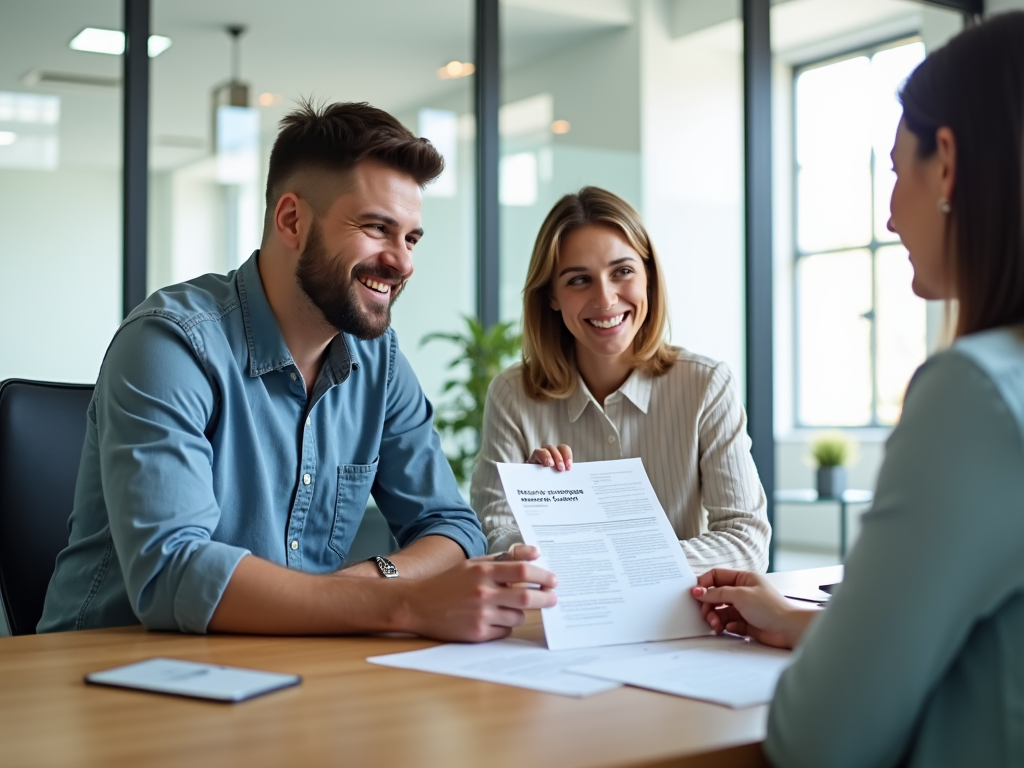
(354,484)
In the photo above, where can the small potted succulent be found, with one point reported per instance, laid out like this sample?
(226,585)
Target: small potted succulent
(831,452)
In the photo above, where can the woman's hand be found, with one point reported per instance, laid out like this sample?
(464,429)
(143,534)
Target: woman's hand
(744,603)
(558,457)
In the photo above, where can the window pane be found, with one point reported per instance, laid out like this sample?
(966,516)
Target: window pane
(834,342)
(889,68)
(900,330)
(832,119)
(833,206)
(833,153)
(884,181)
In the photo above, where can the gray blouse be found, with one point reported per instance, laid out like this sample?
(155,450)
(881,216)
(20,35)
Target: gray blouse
(919,657)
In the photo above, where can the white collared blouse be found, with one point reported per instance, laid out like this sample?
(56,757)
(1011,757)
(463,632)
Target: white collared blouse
(687,425)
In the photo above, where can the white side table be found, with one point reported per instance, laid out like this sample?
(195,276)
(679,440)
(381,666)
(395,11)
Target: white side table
(810,496)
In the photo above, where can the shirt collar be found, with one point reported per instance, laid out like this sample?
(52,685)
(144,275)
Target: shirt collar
(637,389)
(578,400)
(267,348)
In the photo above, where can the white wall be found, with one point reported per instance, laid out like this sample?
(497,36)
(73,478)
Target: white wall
(60,271)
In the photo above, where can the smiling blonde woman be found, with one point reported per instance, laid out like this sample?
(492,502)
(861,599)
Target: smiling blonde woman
(599,381)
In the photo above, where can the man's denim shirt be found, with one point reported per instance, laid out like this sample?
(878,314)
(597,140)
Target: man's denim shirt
(201,447)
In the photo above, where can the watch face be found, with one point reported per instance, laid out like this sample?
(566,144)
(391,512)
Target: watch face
(387,568)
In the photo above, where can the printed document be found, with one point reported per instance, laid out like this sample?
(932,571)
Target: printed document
(622,576)
(523,663)
(732,672)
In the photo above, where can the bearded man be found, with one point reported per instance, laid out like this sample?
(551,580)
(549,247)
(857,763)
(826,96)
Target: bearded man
(240,423)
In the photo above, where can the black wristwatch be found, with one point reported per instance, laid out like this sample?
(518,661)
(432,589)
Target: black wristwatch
(387,569)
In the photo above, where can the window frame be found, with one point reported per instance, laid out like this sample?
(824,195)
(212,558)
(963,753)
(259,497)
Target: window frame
(873,246)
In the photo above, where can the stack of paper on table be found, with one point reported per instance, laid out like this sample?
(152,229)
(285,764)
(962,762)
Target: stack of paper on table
(623,585)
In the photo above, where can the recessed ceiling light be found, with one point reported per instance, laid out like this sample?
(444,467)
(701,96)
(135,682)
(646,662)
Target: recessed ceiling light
(455,69)
(560,126)
(95,40)
(268,99)
(7,137)
(158,44)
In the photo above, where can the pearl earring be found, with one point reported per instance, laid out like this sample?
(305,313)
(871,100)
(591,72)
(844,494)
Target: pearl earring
(944,206)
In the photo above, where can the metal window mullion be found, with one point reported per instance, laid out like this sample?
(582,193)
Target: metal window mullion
(873,250)
(757,118)
(135,149)
(487,93)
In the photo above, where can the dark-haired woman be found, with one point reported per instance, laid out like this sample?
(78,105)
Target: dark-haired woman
(919,658)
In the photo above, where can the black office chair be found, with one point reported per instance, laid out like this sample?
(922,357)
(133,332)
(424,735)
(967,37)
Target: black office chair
(42,429)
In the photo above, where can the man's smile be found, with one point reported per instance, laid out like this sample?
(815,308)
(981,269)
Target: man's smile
(375,285)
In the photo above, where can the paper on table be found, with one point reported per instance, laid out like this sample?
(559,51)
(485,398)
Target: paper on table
(622,576)
(522,663)
(736,673)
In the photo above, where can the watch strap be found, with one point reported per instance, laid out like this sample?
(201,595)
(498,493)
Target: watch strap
(387,569)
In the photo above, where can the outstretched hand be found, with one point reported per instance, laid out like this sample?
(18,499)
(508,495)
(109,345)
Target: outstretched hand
(558,457)
(744,603)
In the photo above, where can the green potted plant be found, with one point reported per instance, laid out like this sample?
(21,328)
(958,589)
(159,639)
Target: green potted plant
(483,354)
(831,453)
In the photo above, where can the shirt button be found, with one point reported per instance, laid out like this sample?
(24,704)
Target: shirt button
(295,544)
(611,438)
(295,376)
(306,479)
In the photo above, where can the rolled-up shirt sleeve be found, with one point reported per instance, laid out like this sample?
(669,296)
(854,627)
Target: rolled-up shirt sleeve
(152,408)
(414,487)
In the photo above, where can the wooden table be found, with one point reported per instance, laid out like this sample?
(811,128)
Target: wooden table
(346,711)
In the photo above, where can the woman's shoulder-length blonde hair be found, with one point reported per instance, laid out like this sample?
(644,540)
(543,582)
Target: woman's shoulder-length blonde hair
(549,368)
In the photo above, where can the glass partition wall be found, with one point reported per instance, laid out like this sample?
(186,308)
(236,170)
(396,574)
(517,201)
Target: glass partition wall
(235,70)
(60,190)
(645,100)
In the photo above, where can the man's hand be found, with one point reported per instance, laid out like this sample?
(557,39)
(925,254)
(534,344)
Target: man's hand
(558,457)
(481,599)
(517,552)
(744,603)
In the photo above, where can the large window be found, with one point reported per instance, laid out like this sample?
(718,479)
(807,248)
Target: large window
(860,330)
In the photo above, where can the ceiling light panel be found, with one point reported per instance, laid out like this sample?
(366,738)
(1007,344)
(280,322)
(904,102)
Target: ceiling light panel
(111,41)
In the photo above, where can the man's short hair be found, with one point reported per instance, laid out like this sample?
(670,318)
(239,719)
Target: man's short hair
(316,144)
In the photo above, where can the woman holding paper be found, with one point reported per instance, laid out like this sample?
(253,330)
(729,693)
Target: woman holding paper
(917,659)
(599,381)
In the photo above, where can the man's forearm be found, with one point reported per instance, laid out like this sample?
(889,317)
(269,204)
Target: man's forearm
(264,598)
(423,558)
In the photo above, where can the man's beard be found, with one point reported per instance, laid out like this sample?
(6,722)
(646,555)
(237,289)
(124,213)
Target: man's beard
(337,297)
